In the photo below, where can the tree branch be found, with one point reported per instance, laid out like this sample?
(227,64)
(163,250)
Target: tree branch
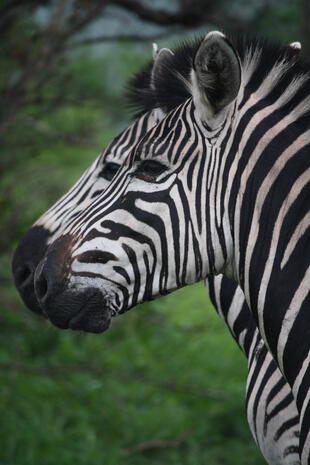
(120,38)
(189,15)
(162,17)
(53,135)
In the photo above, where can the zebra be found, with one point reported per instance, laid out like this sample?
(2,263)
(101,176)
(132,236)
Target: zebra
(270,407)
(92,296)
(34,244)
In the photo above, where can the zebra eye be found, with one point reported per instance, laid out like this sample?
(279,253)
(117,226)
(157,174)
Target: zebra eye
(109,171)
(148,170)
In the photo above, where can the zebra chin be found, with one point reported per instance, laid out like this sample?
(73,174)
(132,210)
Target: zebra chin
(84,310)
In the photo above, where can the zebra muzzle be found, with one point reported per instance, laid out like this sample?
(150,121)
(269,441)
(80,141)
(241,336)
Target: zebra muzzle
(84,309)
(68,306)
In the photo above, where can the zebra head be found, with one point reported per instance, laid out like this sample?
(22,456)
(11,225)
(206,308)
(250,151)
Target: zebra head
(161,224)
(50,225)
(34,244)
(146,234)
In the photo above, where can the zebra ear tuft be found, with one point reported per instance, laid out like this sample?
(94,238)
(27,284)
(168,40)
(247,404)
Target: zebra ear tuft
(216,76)
(294,50)
(154,50)
(160,57)
(295,46)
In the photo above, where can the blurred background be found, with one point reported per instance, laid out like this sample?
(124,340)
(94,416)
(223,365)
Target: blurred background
(165,385)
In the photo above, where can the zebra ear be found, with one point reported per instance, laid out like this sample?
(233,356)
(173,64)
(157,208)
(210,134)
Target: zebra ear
(216,77)
(160,57)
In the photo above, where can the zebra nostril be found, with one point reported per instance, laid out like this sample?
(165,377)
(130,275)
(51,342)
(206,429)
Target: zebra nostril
(25,260)
(40,284)
(41,288)
(23,276)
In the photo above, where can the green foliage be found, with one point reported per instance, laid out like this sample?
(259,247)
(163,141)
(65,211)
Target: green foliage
(165,370)
(281,22)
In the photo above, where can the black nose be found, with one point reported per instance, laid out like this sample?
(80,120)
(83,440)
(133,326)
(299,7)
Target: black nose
(28,254)
(51,274)
(65,306)
(41,285)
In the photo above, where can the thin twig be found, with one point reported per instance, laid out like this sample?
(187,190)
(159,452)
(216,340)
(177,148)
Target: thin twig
(159,444)
(121,38)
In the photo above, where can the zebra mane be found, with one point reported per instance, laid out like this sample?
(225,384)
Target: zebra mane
(172,87)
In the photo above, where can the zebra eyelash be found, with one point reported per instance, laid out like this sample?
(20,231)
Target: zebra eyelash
(149,170)
(109,171)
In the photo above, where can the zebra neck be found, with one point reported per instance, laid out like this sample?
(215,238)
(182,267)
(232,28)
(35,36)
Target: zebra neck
(267,190)
(228,301)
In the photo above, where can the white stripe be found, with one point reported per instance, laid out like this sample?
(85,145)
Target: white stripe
(287,203)
(291,314)
(296,236)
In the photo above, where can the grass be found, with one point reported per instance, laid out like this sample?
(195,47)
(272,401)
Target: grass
(165,385)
